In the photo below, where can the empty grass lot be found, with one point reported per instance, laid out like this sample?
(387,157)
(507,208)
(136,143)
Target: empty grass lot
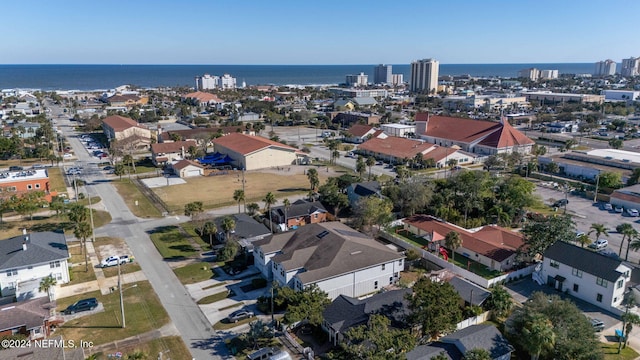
(194,273)
(610,350)
(171,243)
(174,344)
(216,191)
(143,312)
(130,194)
(48,223)
(56,180)
(108,246)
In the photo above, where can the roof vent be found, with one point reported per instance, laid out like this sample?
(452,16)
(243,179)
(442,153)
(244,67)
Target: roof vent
(24,245)
(322,234)
(356,252)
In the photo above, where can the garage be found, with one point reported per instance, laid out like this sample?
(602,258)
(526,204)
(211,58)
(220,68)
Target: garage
(187,168)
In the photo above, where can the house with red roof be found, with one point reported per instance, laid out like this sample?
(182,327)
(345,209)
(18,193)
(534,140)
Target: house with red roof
(490,245)
(166,153)
(474,136)
(399,150)
(119,128)
(203,98)
(255,152)
(360,133)
(187,168)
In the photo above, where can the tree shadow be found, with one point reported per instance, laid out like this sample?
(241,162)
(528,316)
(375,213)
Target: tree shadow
(162,229)
(291,189)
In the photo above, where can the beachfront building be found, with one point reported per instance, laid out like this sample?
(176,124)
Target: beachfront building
(24,181)
(254,152)
(630,67)
(119,128)
(548,74)
(208,82)
(532,74)
(424,76)
(605,68)
(397,79)
(382,74)
(331,255)
(472,136)
(359,80)
(26,259)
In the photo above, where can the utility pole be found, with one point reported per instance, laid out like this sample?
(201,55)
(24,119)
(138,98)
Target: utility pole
(120,289)
(595,196)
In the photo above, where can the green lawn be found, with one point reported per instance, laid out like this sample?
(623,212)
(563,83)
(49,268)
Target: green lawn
(78,274)
(610,350)
(190,228)
(194,273)
(56,180)
(408,236)
(171,243)
(172,346)
(143,312)
(474,267)
(213,298)
(131,194)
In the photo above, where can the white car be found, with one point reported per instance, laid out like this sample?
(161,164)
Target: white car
(632,212)
(114,261)
(599,244)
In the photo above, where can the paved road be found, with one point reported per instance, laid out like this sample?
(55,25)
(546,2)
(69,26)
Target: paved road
(187,317)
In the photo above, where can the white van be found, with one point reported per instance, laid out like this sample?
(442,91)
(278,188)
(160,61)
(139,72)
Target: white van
(263,354)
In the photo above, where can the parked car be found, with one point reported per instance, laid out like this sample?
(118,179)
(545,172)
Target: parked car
(114,261)
(560,203)
(240,315)
(263,354)
(632,212)
(607,206)
(597,324)
(82,305)
(15,168)
(619,209)
(599,244)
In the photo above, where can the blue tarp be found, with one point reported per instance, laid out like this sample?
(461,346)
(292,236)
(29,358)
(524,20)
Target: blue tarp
(215,159)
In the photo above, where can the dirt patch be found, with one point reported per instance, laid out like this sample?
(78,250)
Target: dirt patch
(106,247)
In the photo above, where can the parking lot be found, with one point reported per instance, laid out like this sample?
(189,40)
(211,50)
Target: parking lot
(585,213)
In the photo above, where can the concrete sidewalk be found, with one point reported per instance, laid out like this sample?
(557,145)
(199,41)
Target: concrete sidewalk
(104,285)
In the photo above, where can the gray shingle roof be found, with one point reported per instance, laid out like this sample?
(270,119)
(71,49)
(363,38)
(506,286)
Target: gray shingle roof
(42,247)
(469,292)
(584,259)
(300,208)
(426,352)
(325,250)
(345,312)
(481,336)
(367,188)
(246,226)
(30,314)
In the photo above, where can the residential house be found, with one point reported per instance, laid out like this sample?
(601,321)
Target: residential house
(348,118)
(400,151)
(163,153)
(26,259)
(204,98)
(200,134)
(491,245)
(346,312)
(300,213)
(24,181)
(255,152)
(344,104)
(365,102)
(357,191)
(593,277)
(474,136)
(119,128)
(30,318)
(335,257)
(49,352)
(455,345)
(187,168)
(127,100)
(360,133)
(246,232)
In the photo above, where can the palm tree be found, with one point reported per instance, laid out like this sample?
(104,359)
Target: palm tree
(633,242)
(227,225)
(538,335)
(287,205)
(238,196)
(269,200)
(129,160)
(370,162)
(312,175)
(46,284)
(452,241)
(209,228)
(82,231)
(598,229)
(583,239)
(626,230)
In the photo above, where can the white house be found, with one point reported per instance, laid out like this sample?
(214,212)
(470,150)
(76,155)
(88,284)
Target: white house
(187,168)
(335,257)
(595,278)
(27,258)
(255,152)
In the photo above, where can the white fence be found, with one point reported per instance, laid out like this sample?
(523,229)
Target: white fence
(473,320)
(474,278)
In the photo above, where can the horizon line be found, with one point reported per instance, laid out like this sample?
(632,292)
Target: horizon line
(372,64)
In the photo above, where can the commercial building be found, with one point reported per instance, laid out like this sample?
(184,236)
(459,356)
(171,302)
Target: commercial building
(255,152)
(620,95)
(25,181)
(424,76)
(605,68)
(532,74)
(551,97)
(630,67)
(397,79)
(208,82)
(548,74)
(357,80)
(399,130)
(331,255)
(382,74)
(486,102)
(359,93)
(118,128)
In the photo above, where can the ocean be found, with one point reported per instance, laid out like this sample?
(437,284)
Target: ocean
(92,77)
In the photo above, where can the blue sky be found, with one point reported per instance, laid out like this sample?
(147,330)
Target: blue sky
(317,32)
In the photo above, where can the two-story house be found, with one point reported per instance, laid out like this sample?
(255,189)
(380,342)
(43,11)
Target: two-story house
(163,153)
(335,257)
(300,213)
(27,258)
(119,128)
(595,278)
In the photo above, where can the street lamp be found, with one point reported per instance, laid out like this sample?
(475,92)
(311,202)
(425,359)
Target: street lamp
(121,291)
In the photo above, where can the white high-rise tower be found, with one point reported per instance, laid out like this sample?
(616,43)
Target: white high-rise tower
(424,76)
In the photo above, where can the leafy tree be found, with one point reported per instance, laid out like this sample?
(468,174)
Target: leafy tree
(6,205)
(552,168)
(57,204)
(435,306)
(370,162)
(599,230)
(500,302)
(574,335)
(452,241)
(634,178)
(492,162)
(332,195)
(238,196)
(252,208)
(307,304)
(616,143)
(542,233)
(477,354)
(82,231)
(373,210)
(537,335)
(377,341)
(78,213)
(257,330)
(119,169)
(314,180)
(46,284)
(210,229)
(229,251)
(410,196)
(29,203)
(611,180)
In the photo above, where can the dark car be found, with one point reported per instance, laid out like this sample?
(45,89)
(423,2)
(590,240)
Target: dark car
(240,315)
(15,168)
(561,203)
(82,305)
